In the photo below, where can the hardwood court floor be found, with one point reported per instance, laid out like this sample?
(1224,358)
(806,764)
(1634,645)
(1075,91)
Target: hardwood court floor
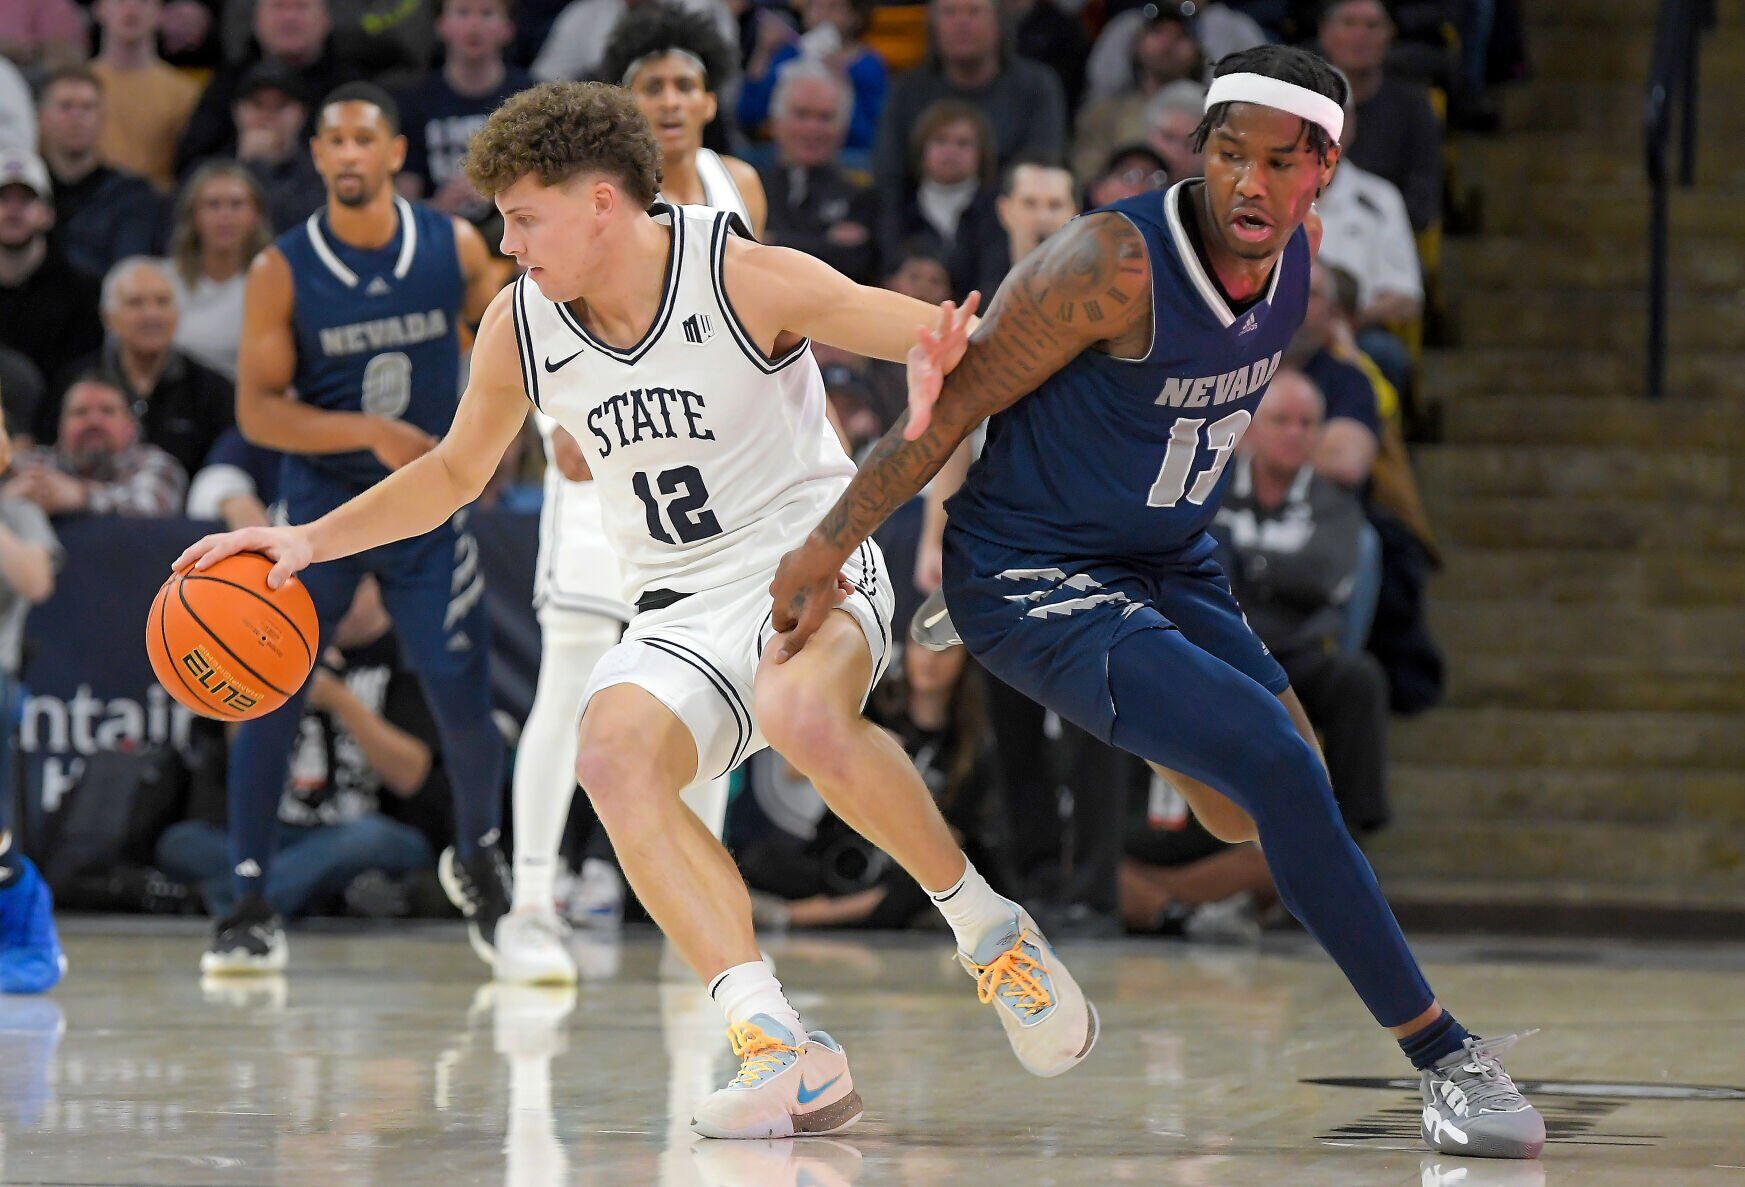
(382,1058)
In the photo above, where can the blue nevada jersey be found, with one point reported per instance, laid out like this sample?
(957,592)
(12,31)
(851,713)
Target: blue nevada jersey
(376,332)
(1126,457)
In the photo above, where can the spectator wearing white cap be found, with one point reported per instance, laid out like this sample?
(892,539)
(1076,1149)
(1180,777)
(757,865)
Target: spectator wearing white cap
(48,309)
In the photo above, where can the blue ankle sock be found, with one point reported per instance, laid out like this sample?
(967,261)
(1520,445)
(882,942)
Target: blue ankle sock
(1435,1042)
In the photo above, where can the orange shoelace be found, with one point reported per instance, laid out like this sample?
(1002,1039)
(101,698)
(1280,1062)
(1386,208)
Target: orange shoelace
(758,1053)
(1019,969)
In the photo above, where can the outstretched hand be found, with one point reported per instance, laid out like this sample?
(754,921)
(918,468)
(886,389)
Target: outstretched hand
(938,349)
(287,547)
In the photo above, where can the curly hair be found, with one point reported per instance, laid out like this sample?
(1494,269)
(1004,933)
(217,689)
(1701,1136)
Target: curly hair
(661,28)
(560,130)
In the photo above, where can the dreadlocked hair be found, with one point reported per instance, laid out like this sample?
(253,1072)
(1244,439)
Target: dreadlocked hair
(1287,64)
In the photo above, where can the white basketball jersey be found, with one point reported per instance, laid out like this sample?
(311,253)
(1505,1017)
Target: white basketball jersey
(577,570)
(711,460)
(719,189)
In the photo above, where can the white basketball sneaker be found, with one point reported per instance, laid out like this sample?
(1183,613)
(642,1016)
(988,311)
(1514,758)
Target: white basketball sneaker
(783,1088)
(531,949)
(1048,1020)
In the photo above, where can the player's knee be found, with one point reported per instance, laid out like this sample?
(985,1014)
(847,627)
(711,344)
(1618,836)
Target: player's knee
(804,728)
(616,778)
(1226,821)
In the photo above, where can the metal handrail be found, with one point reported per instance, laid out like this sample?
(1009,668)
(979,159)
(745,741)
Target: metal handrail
(1672,98)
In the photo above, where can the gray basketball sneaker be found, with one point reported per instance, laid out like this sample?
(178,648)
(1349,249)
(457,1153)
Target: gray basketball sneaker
(1471,1106)
(931,627)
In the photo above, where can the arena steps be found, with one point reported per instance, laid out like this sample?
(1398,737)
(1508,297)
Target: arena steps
(1526,374)
(1659,640)
(1594,524)
(1589,681)
(1618,416)
(1603,318)
(1656,468)
(1587,770)
(1527,263)
(1579,578)
(1632,740)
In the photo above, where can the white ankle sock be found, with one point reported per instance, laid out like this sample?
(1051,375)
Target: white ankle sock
(973,909)
(749,989)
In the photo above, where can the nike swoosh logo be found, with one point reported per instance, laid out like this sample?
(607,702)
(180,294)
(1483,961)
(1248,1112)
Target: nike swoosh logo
(807,1098)
(558,366)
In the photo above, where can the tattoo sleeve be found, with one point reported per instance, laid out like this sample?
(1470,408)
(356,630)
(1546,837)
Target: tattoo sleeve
(1090,283)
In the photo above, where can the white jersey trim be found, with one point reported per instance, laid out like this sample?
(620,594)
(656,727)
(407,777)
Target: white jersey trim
(1184,247)
(668,299)
(719,188)
(724,224)
(408,238)
(402,262)
(524,339)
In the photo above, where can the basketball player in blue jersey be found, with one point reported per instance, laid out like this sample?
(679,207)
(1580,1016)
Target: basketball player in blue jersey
(357,312)
(1121,363)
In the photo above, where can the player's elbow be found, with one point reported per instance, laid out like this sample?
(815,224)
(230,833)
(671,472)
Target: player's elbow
(254,418)
(467,476)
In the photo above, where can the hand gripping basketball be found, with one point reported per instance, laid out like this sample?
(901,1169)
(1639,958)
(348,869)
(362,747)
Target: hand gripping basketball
(288,547)
(224,643)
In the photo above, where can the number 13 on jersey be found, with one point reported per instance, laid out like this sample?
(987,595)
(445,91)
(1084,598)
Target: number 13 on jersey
(1184,450)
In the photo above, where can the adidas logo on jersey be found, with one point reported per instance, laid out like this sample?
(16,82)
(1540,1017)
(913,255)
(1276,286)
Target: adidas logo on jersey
(377,288)
(1219,389)
(1249,326)
(698,329)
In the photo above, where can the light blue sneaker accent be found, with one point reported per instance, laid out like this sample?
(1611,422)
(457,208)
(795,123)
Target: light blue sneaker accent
(31,960)
(760,1062)
(1013,983)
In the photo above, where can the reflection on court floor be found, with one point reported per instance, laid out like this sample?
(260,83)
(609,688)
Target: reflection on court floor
(381,1059)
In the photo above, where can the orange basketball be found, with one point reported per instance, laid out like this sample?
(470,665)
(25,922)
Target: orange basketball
(225,645)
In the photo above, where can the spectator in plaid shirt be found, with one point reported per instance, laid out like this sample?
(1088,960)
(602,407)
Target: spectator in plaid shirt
(98,464)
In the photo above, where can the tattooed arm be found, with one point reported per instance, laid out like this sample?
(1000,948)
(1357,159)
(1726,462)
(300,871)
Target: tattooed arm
(1086,286)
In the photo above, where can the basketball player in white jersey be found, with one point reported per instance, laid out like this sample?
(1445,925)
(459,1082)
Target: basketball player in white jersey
(673,61)
(668,58)
(676,352)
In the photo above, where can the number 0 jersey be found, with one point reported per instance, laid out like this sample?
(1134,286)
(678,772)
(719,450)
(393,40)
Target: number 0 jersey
(711,459)
(376,331)
(1115,457)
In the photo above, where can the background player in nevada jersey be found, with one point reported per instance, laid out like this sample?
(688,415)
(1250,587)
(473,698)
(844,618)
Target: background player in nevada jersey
(1124,359)
(668,58)
(357,311)
(676,351)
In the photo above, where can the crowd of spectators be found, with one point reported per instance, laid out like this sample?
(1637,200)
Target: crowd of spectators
(149,150)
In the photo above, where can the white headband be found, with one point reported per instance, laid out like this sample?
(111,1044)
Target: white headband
(682,54)
(1280,95)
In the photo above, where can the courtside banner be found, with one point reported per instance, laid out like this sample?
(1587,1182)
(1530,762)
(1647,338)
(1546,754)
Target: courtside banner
(87,683)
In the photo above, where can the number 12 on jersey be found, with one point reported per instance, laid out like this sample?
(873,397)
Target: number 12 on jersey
(1184,448)
(689,518)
